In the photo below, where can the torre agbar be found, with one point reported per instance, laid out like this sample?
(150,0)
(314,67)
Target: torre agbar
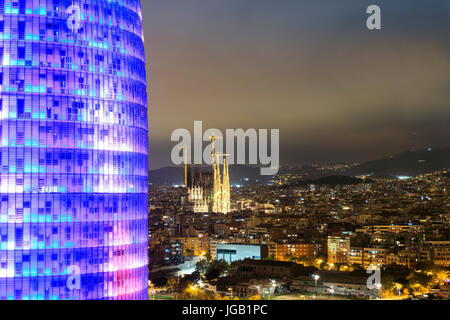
(73,150)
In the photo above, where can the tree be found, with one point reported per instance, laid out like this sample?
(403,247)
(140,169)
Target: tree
(213,269)
(320,261)
(343,267)
(202,266)
(173,284)
(195,293)
(441,276)
(216,269)
(212,274)
(422,279)
(305,260)
(160,282)
(387,280)
(208,256)
(233,265)
(403,281)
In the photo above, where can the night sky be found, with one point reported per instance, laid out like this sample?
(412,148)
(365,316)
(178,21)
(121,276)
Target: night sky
(336,91)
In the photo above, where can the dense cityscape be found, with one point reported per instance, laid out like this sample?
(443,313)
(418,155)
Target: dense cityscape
(289,240)
(256,162)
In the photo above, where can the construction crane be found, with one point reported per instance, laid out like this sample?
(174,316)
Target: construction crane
(213,149)
(224,155)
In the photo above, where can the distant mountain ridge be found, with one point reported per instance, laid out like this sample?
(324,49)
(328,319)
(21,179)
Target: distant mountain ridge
(405,164)
(334,180)
(239,175)
(402,164)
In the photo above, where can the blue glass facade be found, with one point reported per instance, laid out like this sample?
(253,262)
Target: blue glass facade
(73,150)
(231,252)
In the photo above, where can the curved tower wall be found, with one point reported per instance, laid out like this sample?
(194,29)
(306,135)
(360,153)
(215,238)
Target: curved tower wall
(73,150)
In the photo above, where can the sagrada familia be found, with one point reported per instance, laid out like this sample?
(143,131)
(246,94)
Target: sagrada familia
(209,192)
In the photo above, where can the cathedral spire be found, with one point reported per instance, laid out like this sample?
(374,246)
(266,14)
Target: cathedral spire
(221,192)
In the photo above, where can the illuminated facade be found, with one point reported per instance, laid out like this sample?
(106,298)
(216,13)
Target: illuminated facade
(231,252)
(206,197)
(195,193)
(221,183)
(201,206)
(221,188)
(73,150)
(338,249)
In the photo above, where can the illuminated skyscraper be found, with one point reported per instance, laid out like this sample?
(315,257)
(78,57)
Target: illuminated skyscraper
(73,150)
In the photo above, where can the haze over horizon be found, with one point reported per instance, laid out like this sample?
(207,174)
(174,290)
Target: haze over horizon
(336,91)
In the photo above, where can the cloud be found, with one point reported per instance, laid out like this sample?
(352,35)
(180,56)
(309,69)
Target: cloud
(334,89)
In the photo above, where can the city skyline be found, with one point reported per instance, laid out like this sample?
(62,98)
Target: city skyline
(271,84)
(334,89)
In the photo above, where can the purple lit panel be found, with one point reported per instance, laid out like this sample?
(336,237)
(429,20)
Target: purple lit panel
(73,151)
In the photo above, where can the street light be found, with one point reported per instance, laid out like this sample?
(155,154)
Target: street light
(316,277)
(274,285)
(399,287)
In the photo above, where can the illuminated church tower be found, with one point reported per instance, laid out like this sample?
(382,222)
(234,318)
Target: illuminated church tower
(73,150)
(225,197)
(221,186)
(221,189)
